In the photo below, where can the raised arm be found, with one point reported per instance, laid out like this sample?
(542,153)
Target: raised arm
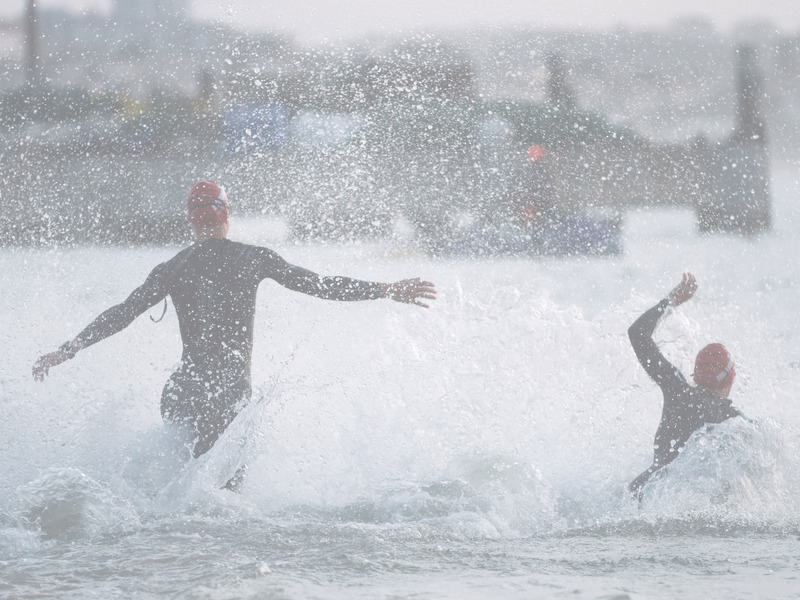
(641,332)
(683,291)
(111,321)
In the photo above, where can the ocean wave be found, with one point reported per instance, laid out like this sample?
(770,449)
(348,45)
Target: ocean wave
(739,477)
(738,473)
(736,478)
(66,504)
(491,495)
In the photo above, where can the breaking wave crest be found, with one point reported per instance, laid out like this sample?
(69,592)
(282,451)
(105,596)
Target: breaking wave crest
(737,477)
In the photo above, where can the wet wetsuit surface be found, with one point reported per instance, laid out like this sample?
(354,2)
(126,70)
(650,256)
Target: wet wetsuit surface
(686,408)
(213,285)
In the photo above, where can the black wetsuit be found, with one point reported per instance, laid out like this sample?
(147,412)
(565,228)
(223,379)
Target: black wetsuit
(686,408)
(213,286)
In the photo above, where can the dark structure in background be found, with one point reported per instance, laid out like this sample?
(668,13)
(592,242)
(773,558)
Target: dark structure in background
(32,47)
(595,171)
(559,92)
(341,149)
(739,199)
(598,165)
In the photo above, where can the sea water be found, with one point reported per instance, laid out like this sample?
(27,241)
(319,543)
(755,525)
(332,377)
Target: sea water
(478,449)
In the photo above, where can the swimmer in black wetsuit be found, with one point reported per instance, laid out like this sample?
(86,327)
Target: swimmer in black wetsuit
(686,408)
(213,286)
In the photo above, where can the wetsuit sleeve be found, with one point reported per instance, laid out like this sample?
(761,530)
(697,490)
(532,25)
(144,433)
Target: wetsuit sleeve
(272,266)
(641,337)
(118,317)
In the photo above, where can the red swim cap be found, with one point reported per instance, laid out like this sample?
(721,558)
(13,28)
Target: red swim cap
(536,152)
(714,368)
(208,205)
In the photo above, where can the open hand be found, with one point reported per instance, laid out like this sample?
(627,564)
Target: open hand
(684,290)
(42,366)
(410,291)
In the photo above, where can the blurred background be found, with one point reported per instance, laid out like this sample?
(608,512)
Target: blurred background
(471,132)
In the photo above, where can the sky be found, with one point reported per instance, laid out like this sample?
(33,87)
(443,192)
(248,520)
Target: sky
(314,21)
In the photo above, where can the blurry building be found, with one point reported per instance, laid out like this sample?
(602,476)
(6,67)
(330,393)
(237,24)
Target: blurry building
(137,13)
(12,41)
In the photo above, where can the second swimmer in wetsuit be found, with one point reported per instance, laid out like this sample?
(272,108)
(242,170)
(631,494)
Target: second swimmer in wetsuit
(687,408)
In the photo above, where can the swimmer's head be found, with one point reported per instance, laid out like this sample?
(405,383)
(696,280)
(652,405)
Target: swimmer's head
(714,369)
(208,205)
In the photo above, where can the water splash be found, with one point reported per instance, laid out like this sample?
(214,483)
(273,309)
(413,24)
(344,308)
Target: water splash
(66,504)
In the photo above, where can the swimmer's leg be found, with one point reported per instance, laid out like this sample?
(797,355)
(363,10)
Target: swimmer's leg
(211,423)
(222,410)
(234,484)
(635,486)
(188,401)
(180,404)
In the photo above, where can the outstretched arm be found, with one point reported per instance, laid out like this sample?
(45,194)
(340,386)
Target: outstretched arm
(641,332)
(42,366)
(408,291)
(111,321)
